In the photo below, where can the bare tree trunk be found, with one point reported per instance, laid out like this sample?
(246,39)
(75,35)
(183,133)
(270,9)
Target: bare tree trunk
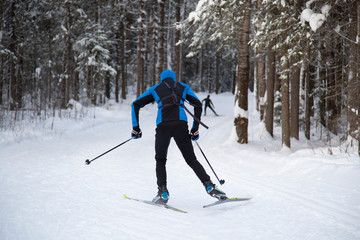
(184,15)
(353,79)
(177,39)
(295,102)
(161,59)
(19,81)
(269,109)
(261,82)
(241,120)
(89,83)
(12,48)
(260,74)
(358,75)
(209,78)
(2,25)
(285,115)
(331,82)
(68,64)
(152,35)
(118,62)
(201,69)
(123,62)
(76,86)
(1,79)
(217,67)
(307,101)
(107,85)
(139,82)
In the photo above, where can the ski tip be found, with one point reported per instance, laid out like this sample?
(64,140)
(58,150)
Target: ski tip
(175,209)
(245,198)
(126,196)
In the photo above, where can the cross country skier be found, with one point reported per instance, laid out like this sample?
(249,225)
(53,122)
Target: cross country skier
(172,123)
(208,103)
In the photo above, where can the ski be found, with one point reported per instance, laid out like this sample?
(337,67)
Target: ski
(152,203)
(226,200)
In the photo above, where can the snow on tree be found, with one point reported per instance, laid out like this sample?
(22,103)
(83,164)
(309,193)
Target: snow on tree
(93,59)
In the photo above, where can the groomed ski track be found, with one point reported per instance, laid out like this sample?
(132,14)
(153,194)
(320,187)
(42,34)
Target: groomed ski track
(47,192)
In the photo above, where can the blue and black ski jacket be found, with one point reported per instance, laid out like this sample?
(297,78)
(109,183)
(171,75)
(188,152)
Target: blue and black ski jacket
(170,96)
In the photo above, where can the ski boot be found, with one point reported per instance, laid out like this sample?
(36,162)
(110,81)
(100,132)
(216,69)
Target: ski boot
(213,191)
(162,197)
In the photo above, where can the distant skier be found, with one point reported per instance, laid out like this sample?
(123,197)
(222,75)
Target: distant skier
(208,103)
(172,123)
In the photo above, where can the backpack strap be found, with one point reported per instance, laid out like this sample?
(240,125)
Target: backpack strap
(176,101)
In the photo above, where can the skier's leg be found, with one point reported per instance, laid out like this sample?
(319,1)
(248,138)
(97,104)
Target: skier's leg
(183,142)
(162,141)
(213,111)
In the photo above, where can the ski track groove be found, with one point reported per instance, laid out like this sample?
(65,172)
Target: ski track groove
(329,209)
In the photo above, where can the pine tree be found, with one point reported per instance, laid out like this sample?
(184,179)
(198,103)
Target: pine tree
(93,59)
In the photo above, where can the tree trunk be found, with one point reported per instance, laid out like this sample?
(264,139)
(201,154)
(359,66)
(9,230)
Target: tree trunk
(139,82)
(269,109)
(331,82)
(295,102)
(161,59)
(107,85)
(358,75)
(118,62)
(19,81)
(261,82)
(68,64)
(89,83)
(123,62)
(353,81)
(153,41)
(2,24)
(285,115)
(241,119)
(177,39)
(260,74)
(1,78)
(76,88)
(12,49)
(209,78)
(307,101)
(201,69)
(217,68)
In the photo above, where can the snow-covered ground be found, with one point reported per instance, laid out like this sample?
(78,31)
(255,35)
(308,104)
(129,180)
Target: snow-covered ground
(47,192)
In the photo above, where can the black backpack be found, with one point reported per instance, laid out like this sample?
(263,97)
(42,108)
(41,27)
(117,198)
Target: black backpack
(174,99)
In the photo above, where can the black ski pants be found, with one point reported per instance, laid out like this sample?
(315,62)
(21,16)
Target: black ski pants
(206,106)
(179,131)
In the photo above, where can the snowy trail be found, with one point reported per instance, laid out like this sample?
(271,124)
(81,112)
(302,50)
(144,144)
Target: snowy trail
(47,192)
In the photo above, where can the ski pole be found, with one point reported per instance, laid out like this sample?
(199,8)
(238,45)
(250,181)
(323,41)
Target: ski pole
(222,181)
(87,161)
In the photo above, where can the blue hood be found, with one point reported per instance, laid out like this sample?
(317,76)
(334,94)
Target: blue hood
(166,74)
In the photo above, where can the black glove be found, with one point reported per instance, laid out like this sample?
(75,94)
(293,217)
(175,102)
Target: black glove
(136,132)
(194,134)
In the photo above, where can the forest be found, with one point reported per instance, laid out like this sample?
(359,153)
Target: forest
(300,58)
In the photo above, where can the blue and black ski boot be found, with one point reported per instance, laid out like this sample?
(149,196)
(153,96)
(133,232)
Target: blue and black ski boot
(213,191)
(162,197)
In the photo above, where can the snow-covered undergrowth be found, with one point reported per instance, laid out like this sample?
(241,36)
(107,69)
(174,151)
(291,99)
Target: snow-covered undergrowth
(47,192)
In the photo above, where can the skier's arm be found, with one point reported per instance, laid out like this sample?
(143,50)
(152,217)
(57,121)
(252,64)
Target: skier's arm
(140,102)
(194,101)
